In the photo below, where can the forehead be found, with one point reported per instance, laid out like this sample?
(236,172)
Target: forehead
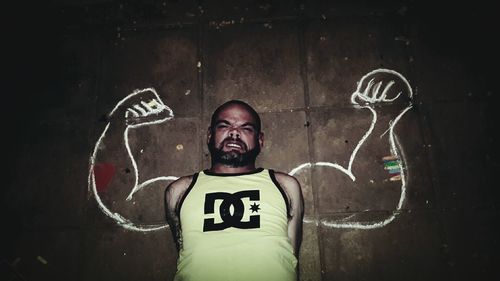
(236,113)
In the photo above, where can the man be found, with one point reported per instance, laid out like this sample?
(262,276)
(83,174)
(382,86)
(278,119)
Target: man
(235,221)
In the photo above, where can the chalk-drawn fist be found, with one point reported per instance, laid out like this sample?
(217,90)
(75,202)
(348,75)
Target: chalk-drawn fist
(142,107)
(381,86)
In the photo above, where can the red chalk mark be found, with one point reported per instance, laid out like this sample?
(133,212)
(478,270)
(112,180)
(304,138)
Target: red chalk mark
(103,173)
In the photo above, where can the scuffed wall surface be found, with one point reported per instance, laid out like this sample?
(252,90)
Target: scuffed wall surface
(76,149)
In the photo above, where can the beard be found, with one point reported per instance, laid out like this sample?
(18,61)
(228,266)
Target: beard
(232,159)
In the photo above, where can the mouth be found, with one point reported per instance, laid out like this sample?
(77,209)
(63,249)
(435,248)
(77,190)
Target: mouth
(232,145)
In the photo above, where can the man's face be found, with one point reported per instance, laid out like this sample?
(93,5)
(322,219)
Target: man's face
(234,140)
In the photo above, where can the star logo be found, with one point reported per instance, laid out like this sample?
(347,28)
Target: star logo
(255,207)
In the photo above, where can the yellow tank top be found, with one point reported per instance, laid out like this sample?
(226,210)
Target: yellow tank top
(234,228)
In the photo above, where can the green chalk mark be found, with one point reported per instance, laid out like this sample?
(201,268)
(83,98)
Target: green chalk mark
(42,260)
(391,167)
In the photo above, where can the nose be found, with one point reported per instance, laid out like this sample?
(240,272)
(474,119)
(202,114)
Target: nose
(234,133)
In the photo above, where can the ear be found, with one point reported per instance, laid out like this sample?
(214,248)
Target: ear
(209,134)
(261,139)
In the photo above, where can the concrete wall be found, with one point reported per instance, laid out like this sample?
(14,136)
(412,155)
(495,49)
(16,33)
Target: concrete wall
(71,164)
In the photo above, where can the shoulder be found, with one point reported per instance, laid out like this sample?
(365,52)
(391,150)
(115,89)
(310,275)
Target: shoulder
(182,182)
(293,191)
(289,183)
(177,188)
(286,180)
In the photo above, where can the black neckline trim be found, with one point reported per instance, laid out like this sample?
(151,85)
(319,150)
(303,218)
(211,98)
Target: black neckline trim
(207,172)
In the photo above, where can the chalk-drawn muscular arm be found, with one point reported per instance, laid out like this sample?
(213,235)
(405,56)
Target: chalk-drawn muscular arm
(384,93)
(173,195)
(147,110)
(142,107)
(296,213)
(383,87)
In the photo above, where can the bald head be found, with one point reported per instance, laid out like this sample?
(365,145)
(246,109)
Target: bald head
(240,104)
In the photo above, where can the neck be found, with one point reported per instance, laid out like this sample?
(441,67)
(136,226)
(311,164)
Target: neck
(223,169)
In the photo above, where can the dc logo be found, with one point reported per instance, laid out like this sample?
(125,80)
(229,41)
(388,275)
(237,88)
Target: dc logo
(228,219)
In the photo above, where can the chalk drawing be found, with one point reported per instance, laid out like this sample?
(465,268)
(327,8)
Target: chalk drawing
(366,96)
(143,114)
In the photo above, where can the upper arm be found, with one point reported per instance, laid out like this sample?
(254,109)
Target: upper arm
(173,195)
(296,212)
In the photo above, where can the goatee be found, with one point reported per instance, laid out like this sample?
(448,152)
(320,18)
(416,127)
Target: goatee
(232,159)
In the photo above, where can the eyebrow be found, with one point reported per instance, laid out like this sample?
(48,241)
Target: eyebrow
(248,124)
(242,125)
(222,121)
